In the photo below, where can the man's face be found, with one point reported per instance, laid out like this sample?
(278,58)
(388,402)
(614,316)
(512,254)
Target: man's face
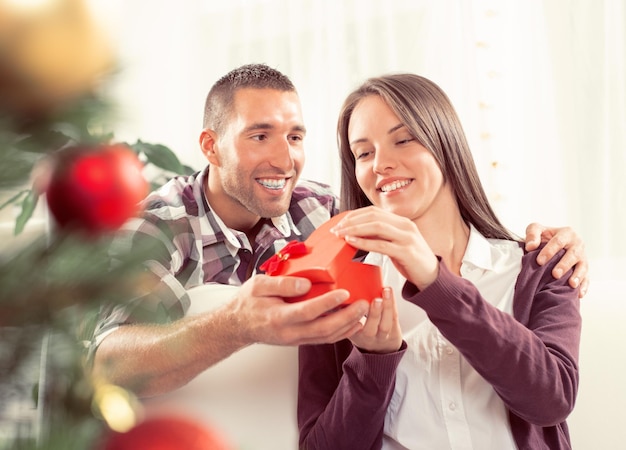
(259,155)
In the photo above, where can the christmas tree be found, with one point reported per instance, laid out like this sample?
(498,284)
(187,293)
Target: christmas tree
(57,144)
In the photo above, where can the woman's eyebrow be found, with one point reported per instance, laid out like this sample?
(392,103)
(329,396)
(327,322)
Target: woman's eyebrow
(395,128)
(391,130)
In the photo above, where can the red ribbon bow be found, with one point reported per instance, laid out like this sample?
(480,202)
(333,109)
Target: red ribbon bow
(291,250)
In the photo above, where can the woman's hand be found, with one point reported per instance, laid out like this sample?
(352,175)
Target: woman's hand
(381,331)
(373,229)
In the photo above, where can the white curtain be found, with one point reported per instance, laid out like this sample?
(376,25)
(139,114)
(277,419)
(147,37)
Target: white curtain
(539,85)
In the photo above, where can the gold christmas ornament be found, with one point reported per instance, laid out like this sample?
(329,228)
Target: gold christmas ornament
(51,51)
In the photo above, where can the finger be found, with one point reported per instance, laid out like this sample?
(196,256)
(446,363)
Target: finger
(389,314)
(393,246)
(567,261)
(553,246)
(360,215)
(579,274)
(380,230)
(280,286)
(335,326)
(533,236)
(372,222)
(340,334)
(315,307)
(370,328)
(584,287)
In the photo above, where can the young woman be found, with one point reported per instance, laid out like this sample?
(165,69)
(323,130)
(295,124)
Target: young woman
(480,349)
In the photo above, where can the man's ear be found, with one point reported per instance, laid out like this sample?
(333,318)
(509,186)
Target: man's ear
(208,145)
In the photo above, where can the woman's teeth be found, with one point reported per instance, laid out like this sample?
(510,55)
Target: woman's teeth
(395,185)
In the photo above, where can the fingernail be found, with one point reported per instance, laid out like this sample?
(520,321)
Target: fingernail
(342,297)
(378,302)
(350,239)
(302,286)
(541,260)
(336,228)
(576,282)
(558,272)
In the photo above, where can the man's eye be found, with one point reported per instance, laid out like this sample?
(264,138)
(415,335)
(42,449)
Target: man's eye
(259,137)
(296,138)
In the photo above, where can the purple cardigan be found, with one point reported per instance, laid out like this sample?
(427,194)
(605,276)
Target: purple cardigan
(530,359)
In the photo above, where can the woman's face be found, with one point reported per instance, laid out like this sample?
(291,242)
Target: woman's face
(394,171)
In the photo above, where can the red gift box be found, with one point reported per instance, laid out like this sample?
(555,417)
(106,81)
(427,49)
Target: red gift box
(327,261)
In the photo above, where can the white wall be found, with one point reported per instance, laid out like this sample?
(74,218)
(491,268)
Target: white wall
(540,85)
(598,419)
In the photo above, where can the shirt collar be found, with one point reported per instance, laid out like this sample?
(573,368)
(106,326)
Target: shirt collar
(283,223)
(478,251)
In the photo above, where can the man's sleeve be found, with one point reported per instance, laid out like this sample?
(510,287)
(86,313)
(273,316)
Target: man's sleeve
(157,295)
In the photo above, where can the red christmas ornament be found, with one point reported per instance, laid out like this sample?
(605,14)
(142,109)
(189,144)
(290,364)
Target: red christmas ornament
(167,433)
(96,189)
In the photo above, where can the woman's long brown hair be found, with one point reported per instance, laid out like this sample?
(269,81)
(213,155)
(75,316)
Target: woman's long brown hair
(428,114)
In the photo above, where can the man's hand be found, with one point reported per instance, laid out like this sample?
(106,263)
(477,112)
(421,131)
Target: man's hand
(263,315)
(557,239)
(168,356)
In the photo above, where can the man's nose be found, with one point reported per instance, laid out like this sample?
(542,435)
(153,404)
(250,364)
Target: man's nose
(283,155)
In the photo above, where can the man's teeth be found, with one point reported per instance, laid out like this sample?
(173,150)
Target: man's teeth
(395,185)
(273,183)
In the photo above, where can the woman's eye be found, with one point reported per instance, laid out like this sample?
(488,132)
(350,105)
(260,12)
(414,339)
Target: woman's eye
(404,141)
(362,155)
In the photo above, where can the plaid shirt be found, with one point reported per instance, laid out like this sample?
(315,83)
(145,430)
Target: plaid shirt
(195,247)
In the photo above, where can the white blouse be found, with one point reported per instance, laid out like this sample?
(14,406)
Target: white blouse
(440,401)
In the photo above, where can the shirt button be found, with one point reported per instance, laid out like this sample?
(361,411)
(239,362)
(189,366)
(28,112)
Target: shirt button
(452,406)
(449,350)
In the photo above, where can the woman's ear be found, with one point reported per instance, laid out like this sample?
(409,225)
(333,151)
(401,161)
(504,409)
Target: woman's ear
(208,143)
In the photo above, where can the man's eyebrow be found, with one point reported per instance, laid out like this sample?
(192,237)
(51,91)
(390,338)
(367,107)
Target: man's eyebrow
(269,126)
(258,126)
(299,128)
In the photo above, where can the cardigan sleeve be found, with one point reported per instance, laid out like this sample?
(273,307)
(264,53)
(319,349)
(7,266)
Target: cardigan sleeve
(530,358)
(343,396)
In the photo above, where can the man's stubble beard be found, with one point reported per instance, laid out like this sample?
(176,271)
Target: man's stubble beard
(245,197)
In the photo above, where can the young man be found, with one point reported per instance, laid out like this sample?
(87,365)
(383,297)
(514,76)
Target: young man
(218,226)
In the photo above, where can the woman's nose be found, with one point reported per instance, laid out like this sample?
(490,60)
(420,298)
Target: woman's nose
(383,161)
